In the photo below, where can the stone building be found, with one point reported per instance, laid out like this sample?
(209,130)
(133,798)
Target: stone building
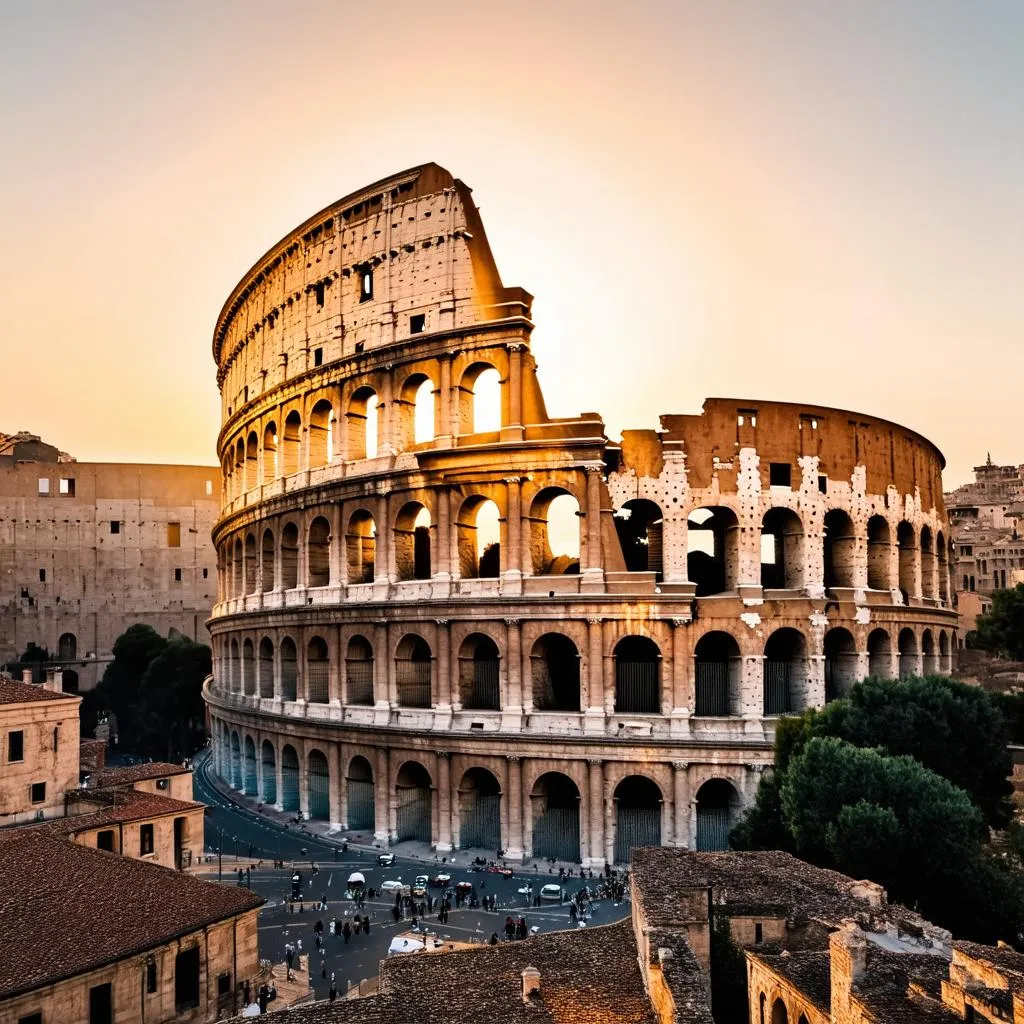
(478,626)
(88,549)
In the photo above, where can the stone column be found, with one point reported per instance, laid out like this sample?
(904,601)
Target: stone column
(382,797)
(383,665)
(453,672)
(515,384)
(278,779)
(513,528)
(444,809)
(442,690)
(258,741)
(332,754)
(445,429)
(592,688)
(595,790)
(303,780)
(681,804)
(590,553)
(382,568)
(387,412)
(512,701)
(443,535)
(514,849)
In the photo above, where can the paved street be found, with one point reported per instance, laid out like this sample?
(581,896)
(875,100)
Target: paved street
(253,836)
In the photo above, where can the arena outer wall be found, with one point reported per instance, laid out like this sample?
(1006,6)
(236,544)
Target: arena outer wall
(378,666)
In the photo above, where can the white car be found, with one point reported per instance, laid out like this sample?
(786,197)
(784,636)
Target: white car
(553,893)
(394,886)
(423,880)
(387,859)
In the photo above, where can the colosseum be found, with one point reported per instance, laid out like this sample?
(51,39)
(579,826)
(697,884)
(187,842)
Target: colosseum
(445,616)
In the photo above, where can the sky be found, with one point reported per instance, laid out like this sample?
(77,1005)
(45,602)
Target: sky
(773,199)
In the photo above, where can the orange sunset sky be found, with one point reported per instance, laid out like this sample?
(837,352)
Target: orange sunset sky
(808,201)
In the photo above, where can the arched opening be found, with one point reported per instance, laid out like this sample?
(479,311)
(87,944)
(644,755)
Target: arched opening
(418,408)
(359,671)
(637,676)
(908,653)
(250,564)
(929,664)
(252,460)
(248,667)
(268,561)
(289,669)
(270,452)
(785,672)
(555,533)
(879,546)
(840,663)
(319,777)
(412,542)
(718,804)
(240,481)
(289,556)
(413,670)
(269,794)
(227,486)
(639,527)
(237,569)
(782,550)
(481,404)
(412,792)
(555,668)
(637,816)
(69,681)
(840,549)
(941,552)
(555,813)
(359,783)
(361,547)
(289,779)
(362,419)
(905,541)
(320,429)
(236,762)
(479,810)
(718,673)
(249,779)
(927,564)
(234,668)
(318,552)
(265,668)
(479,688)
(779,1014)
(879,654)
(317,671)
(478,533)
(291,445)
(67,647)
(712,550)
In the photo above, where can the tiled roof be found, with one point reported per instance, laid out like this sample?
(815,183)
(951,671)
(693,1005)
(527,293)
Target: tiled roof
(54,895)
(999,957)
(129,774)
(809,973)
(587,976)
(884,988)
(125,805)
(12,692)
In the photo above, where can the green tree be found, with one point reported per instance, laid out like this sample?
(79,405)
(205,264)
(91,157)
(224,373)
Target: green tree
(118,690)
(1001,629)
(728,974)
(171,712)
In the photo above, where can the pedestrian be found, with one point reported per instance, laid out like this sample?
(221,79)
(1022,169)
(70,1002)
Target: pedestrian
(366,924)
(333,993)
(494,938)
(323,970)
(346,931)
(396,913)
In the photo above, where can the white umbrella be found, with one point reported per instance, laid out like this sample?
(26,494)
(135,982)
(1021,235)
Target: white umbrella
(404,945)
(356,878)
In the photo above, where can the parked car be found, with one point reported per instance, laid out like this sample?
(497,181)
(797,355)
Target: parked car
(441,880)
(506,872)
(552,893)
(419,887)
(386,859)
(392,887)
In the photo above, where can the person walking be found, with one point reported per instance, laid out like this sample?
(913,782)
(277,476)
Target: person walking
(346,931)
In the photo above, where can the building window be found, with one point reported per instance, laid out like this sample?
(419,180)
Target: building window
(42,575)
(150,976)
(186,980)
(365,284)
(224,983)
(206,572)
(209,487)
(38,792)
(105,840)
(56,738)
(319,289)
(318,357)
(145,840)
(15,746)
(32,1018)
(44,485)
(101,1004)
(780,474)
(758,933)
(177,575)
(67,486)
(115,526)
(418,323)
(174,535)
(162,783)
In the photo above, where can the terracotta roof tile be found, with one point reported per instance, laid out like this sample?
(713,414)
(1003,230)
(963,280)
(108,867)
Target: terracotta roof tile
(129,774)
(124,805)
(12,692)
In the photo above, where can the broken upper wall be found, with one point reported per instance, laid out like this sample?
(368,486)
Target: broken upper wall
(403,257)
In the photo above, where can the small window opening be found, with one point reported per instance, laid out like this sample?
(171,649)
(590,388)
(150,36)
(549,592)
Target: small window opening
(318,357)
(67,486)
(206,573)
(105,840)
(145,840)
(44,485)
(38,792)
(151,977)
(758,933)
(365,285)
(115,526)
(174,535)
(418,323)
(209,487)
(779,474)
(224,983)
(42,575)
(360,345)
(823,484)
(16,746)
(177,575)
(319,290)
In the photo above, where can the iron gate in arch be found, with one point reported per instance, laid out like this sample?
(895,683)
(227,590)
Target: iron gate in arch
(637,815)
(269,775)
(412,793)
(319,786)
(289,779)
(480,821)
(556,833)
(360,795)
(712,828)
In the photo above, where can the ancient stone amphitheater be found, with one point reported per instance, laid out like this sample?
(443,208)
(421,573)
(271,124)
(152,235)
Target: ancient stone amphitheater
(445,616)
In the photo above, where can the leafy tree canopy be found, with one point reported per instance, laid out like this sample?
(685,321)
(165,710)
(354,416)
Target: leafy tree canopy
(1001,630)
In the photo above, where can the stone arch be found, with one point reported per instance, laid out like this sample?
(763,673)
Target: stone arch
(785,672)
(250,564)
(779,1013)
(318,781)
(249,775)
(555,813)
(481,409)
(412,542)
(718,674)
(240,481)
(359,791)
(413,671)
(637,676)
(413,812)
(359,671)
(906,541)
(713,549)
(318,553)
(479,801)
(879,654)
(363,424)
(317,671)
(265,668)
(479,673)
(782,550)
(555,672)
(289,778)
(927,564)
(269,758)
(268,556)
(908,652)
(418,405)
(321,433)
(361,547)
(879,548)
(252,460)
(945,661)
(248,667)
(67,647)
(291,444)
(237,569)
(270,469)
(289,556)
(639,525)
(929,663)
(840,663)
(289,669)
(236,761)
(638,802)
(234,667)
(479,538)
(718,806)
(839,549)
(554,524)
(941,554)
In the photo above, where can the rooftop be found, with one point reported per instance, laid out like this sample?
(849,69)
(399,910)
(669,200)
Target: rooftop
(50,905)
(123,806)
(12,692)
(129,774)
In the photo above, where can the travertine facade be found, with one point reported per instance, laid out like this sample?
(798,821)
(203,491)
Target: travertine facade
(88,549)
(405,642)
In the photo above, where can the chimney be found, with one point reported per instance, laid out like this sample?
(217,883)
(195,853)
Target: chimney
(531,983)
(54,680)
(26,676)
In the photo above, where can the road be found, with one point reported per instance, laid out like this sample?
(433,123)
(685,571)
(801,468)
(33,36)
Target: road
(243,832)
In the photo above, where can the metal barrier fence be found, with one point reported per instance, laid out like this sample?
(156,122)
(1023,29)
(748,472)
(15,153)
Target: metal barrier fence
(360,804)
(556,833)
(636,826)
(776,687)
(359,682)
(317,687)
(412,679)
(712,828)
(413,817)
(712,688)
(636,687)
(481,822)
(484,692)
